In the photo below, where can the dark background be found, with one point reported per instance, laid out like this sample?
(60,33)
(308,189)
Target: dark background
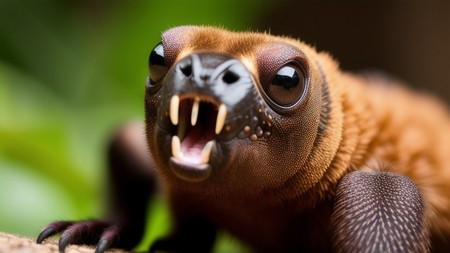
(72,71)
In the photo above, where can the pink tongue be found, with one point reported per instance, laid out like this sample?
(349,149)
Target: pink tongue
(193,144)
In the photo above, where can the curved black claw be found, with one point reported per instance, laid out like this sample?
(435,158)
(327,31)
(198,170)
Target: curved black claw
(92,232)
(85,232)
(64,241)
(52,229)
(109,236)
(46,233)
(103,245)
(88,232)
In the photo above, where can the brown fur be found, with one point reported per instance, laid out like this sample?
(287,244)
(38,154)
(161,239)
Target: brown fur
(277,187)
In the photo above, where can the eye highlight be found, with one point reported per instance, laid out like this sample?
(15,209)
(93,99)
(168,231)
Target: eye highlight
(286,86)
(157,65)
(286,77)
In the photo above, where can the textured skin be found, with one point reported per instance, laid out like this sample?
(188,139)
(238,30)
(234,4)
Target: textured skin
(379,212)
(274,186)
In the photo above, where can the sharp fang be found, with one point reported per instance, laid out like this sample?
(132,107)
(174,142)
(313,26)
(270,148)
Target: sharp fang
(176,147)
(221,116)
(206,152)
(195,108)
(174,107)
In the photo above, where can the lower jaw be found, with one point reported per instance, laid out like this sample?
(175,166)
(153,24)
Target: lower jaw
(190,172)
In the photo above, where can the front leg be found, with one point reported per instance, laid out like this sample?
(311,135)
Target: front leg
(379,212)
(131,185)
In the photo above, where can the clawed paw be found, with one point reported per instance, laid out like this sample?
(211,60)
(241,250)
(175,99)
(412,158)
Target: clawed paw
(89,232)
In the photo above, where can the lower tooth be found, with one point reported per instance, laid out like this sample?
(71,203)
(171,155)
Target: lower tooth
(176,147)
(206,152)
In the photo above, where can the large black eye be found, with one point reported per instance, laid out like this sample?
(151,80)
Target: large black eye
(157,64)
(287,86)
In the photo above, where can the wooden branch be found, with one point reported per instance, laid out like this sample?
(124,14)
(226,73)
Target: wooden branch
(18,244)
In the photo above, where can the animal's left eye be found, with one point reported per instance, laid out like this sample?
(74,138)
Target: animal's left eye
(157,64)
(287,86)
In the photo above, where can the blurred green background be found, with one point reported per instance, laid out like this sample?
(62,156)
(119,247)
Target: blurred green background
(72,71)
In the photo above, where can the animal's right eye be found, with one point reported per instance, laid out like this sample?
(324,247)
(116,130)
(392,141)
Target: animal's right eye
(157,64)
(287,86)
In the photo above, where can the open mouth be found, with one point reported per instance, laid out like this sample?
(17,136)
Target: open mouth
(199,120)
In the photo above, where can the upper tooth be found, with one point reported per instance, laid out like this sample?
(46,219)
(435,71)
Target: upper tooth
(221,116)
(206,152)
(195,108)
(174,106)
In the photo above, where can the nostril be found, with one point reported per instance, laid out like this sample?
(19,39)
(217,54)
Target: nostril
(230,77)
(186,70)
